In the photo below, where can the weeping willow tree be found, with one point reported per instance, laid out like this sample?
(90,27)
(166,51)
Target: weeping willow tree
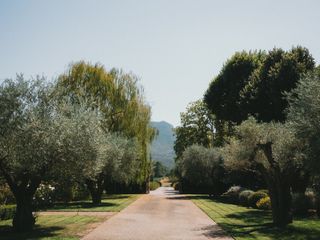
(120,102)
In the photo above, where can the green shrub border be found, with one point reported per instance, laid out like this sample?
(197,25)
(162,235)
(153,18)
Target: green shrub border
(7,211)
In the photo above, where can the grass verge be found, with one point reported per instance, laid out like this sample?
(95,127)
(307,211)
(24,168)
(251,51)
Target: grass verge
(55,227)
(245,223)
(110,203)
(65,227)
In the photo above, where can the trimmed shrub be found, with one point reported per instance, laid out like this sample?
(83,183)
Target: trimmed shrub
(264,203)
(255,197)
(232,195)
(7,212)
(154,185)
(244,197)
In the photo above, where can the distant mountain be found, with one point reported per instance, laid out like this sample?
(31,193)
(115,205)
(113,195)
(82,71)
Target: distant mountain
(162,145)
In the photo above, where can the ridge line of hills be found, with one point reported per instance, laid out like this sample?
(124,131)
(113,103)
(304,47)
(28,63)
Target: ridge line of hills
(162,146)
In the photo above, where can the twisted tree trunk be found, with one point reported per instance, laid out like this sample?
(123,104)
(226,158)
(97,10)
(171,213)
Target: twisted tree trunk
(96,188)
(23,188)
(281,202)
(23,220)
(279,186)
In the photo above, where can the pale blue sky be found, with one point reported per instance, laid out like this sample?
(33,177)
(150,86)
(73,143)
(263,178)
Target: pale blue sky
(175,47)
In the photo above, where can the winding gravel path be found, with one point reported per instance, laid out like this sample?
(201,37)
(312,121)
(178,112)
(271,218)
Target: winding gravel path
(161,215)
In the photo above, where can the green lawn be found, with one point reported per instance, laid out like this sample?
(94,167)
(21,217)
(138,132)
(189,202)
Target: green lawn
(246,223)
(52,227)
(110,203)
(59,227)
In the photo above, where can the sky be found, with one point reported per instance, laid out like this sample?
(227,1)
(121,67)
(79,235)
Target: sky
(175,47)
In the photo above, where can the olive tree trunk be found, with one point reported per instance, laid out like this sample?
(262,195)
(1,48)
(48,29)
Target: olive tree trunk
(95,188)
(279,185)
(281,203)
(23,220)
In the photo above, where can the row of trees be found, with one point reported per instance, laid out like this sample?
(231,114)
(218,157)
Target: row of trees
(90,127)
(264,109)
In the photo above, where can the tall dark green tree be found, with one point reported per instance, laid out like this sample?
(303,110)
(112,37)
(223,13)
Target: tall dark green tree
(279,73)
(223,96)
(254,84)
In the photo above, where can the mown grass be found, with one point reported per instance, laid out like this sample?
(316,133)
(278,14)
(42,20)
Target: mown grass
(56,227)
(245,223)
(110,203)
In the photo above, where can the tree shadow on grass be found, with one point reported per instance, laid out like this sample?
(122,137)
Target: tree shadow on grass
(252,216)
(7,233)
(259,223)
(108,197)
(77,205)
(185,197)
(213,231)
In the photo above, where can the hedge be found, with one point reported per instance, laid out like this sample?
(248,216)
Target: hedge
(7,211)
(154,185)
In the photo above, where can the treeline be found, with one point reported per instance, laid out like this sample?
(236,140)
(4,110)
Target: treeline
(257,127)
(88,131)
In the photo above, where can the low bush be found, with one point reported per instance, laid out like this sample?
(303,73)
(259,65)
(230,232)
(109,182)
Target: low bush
(6,196)
(244,197)
(312,199)
(7,211)
(232,195)
(154,185)
(263,190)
(255,197)
(264,203)
(64,191)
(176,186)
(80,192)
(301,203)
(44,196)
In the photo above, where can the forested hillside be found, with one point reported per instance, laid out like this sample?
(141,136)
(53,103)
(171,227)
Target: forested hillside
(162,146)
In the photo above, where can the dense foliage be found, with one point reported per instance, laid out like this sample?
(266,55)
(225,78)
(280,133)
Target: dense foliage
(201,170)
(90,127)
(197,127)
(264,111)
(120,102)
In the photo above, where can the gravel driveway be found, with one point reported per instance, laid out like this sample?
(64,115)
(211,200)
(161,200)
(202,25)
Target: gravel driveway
(163,214)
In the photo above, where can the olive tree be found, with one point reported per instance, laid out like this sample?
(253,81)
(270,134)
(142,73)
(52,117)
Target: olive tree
(35,139)
(304,115)
(116,157)
(201,170)
(273,150)
(304,118)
